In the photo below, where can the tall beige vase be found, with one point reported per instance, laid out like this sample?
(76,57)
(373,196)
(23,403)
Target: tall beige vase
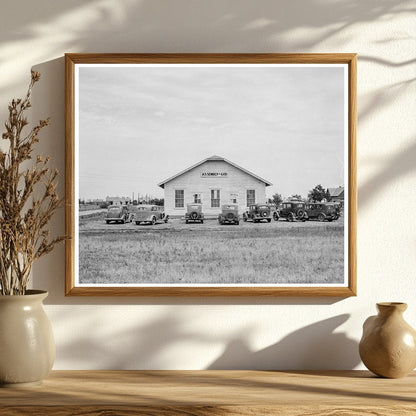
(27,347)
(388,344)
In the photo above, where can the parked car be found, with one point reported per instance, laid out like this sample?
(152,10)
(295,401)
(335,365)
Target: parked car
(274,211)
(257,213)
(293,210)
(150,214)
(229,214)
(119,214)
(194,213)
(322,211)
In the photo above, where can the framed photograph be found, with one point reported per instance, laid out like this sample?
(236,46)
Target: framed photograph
(211,174)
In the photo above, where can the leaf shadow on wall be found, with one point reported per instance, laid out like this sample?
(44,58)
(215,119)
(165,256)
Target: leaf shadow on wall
(151,345)
(151,26)
(315,346)
(144,346)
(397,166)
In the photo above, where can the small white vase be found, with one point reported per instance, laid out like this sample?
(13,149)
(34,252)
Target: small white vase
(27,347)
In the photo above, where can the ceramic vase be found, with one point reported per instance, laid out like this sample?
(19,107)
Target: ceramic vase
(388,345)
(27,347)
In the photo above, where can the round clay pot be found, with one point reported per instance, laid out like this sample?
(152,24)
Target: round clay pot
(27,347)
(388,344)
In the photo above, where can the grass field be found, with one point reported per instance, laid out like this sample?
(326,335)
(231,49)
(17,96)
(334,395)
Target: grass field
(208,253)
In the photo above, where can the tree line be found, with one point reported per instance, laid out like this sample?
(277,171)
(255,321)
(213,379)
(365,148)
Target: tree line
(317,194)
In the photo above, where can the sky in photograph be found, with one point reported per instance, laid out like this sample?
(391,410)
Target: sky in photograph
(141,125)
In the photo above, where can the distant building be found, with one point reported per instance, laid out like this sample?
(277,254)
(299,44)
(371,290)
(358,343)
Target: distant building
(336,194)
(213,182)
(117,200)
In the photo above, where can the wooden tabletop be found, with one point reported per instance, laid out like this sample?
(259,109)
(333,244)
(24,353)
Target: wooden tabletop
(203,393)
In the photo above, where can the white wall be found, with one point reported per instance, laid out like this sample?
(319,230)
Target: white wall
(193,333)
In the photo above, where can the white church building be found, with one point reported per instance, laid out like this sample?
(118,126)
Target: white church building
(213,182)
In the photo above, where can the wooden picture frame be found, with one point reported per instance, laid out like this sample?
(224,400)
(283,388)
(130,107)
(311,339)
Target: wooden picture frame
(295,62)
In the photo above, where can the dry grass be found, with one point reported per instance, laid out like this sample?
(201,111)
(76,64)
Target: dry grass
(249,253)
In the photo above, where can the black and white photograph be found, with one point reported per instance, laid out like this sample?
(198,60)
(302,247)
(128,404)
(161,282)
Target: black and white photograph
(211,175)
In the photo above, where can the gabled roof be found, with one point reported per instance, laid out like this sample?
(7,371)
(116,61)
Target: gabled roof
(214,159)
(336,191)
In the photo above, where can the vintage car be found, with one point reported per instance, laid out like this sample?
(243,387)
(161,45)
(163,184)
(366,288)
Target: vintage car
(119,214)
(150,214)
(322,211)
(293,210)
(194,213)
(257,213)
(229,214)
(274,211)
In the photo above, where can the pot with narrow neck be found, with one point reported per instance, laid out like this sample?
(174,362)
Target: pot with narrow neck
(388,345)
(27,347)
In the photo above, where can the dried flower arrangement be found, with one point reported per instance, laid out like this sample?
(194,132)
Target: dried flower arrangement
(28,199)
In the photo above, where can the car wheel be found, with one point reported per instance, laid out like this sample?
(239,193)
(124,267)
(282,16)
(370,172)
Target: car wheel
(166,219)
(321,217)
(186,222)
(290,217)
(153,220)
(276,216)
(300,213)
(237,222)
(202,221)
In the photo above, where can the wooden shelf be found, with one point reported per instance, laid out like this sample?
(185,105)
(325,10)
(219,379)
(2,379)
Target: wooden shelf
(203,393)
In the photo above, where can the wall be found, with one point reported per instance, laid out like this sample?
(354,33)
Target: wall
(195,333)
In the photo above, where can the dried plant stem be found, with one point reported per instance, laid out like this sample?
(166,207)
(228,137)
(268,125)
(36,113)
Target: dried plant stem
(23,217)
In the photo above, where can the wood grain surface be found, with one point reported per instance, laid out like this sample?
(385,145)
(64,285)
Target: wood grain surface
(202,393)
